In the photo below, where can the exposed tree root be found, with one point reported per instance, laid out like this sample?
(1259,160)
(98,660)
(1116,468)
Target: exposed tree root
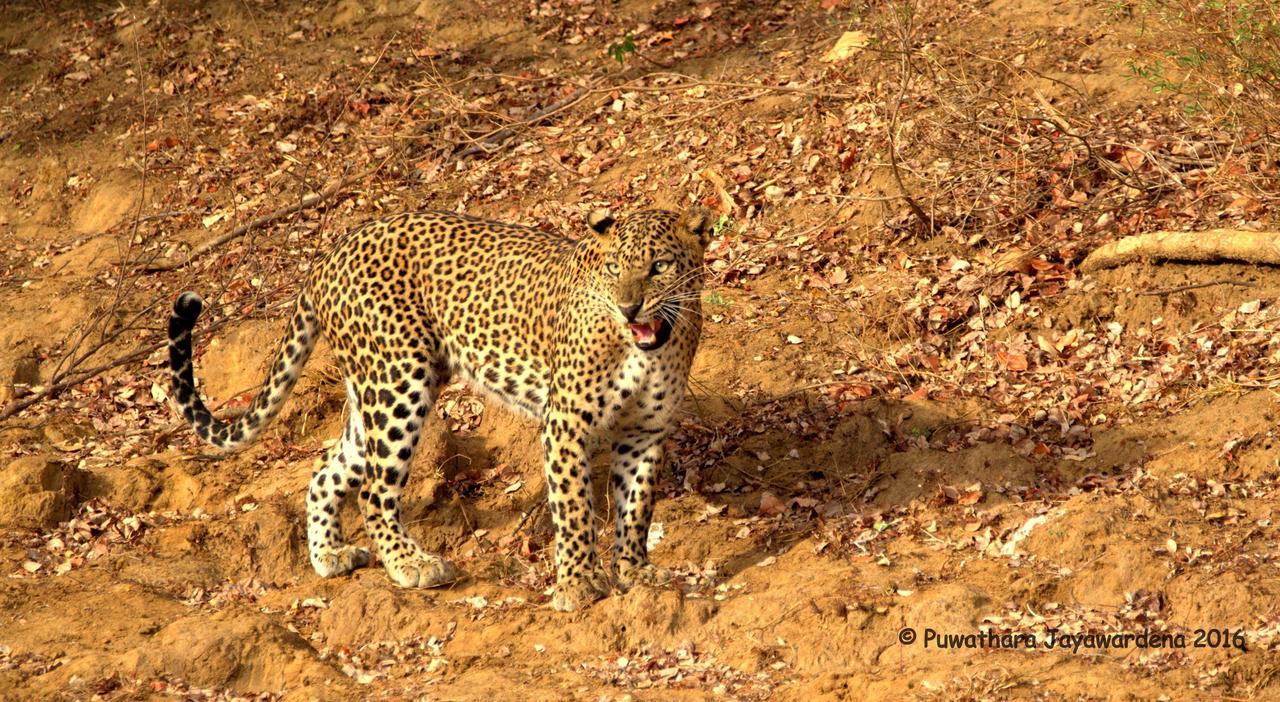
(1207,246)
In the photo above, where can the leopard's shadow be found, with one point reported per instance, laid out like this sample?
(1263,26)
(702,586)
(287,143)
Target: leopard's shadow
(787,467)
(806,467)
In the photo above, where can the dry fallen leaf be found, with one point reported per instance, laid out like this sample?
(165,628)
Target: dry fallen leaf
(717,181)
(656,532)
(1015,362)
(771,505)
(972,495)
(849,44)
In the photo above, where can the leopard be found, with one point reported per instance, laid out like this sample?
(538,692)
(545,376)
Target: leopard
(592,333)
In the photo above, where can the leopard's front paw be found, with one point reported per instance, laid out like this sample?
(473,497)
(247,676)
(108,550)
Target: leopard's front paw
(332,562)
(573,592)
(419,569)
(631,574)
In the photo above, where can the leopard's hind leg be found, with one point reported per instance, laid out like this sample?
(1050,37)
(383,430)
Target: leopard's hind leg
(396,392)
(342,472)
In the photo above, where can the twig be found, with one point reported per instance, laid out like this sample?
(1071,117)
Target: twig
(653,62)
(72,378)
(1195,286)
(692,82)
(806,388)
(100,324)
(346,99)
(904,32)
(164,215)
(486,143)
(536,508)
(302,204)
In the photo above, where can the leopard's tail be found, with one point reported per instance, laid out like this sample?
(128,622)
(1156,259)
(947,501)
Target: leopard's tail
(294,351)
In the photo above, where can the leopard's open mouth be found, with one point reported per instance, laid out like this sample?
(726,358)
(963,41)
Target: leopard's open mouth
(649,335)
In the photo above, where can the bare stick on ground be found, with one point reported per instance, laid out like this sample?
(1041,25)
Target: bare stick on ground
(76,374)
(1205,247)
(305,203)
(72,378)
(496,138)
(1197,286)
(904,29)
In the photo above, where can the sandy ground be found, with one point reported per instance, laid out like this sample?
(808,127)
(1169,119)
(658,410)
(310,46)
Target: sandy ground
(1105,466)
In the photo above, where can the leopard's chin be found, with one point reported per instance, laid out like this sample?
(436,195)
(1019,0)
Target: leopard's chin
(650,335)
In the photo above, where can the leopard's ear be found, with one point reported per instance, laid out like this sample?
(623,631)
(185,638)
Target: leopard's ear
(600,221)
(700,222)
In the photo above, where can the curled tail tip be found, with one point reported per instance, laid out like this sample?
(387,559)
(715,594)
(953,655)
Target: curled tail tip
(188,307)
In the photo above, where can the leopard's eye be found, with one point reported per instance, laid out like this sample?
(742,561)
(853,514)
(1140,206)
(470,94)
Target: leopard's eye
(612,268)
(659,267)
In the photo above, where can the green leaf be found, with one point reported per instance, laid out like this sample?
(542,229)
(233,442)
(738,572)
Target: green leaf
(620,49)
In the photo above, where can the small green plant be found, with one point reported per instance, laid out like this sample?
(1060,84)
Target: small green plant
(1118,9)
(715,298)
(1154,74)
(1221,56)
(724,225)
(1195,57)
(619,50)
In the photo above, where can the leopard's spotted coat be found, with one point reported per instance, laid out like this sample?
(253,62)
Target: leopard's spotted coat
(594,337)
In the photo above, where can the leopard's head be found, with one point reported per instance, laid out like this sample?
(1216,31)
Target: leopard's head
(650,270)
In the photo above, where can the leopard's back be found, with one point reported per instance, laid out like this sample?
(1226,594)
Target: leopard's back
(480,298)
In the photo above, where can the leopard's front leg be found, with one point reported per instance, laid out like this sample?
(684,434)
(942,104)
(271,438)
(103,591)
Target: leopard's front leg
(637,459)
(580,580)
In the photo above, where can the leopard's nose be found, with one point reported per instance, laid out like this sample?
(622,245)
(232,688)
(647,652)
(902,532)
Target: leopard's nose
(629,311)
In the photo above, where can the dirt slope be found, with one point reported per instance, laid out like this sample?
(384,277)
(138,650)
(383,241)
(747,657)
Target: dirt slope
(890,427)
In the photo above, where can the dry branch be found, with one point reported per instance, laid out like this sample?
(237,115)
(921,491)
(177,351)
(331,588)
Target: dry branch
(73,378)
(1197,286)
(1207,246)
(306,202)
(75,375)
(904,30)
(496,138)
(493,140)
